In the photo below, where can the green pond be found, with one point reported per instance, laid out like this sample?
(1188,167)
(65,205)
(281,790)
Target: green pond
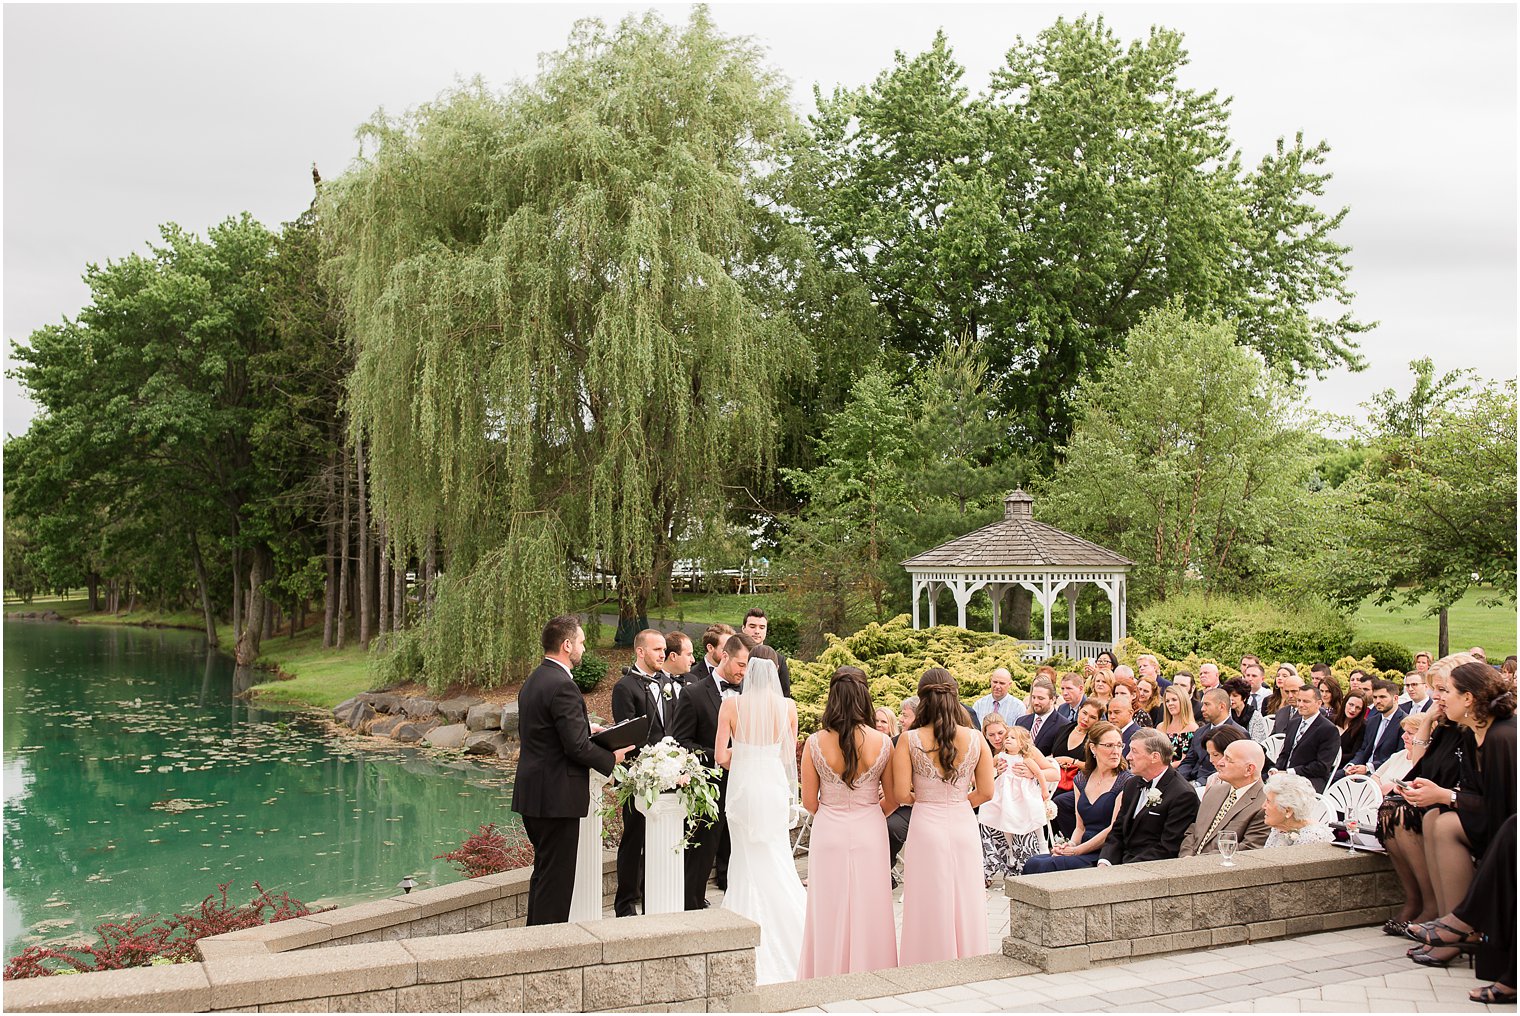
(136,782)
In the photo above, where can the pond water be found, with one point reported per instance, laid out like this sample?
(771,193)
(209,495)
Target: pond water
(135,782)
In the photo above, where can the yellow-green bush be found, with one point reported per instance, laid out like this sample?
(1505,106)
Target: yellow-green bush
(1130,650)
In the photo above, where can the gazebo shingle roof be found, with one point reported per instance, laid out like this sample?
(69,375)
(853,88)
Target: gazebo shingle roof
(1018,541)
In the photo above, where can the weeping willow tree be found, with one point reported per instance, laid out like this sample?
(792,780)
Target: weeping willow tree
(568,305)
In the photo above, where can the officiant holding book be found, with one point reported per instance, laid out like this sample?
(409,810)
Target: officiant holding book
(645,689)
(551,791)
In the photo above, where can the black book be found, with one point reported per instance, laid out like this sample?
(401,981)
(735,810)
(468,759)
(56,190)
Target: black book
(622,735)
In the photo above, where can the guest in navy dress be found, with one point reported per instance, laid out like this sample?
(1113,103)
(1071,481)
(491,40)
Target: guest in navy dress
(1098,787)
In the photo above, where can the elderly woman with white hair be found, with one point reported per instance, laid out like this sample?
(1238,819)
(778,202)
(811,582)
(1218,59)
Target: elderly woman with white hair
(1289,811)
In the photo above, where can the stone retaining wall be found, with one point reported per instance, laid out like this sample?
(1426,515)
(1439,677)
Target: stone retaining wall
(689,962)
(1073,919)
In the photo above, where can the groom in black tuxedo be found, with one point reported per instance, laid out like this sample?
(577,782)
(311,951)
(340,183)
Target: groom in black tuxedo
(696,728)
(1155,810)
(551,791)
(644,690)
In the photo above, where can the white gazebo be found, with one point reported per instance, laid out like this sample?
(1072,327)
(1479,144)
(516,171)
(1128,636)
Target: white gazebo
(1018,551)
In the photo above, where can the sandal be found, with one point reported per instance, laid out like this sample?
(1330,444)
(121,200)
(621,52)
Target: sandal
(1490,994)
(1430,934)
(1395,927)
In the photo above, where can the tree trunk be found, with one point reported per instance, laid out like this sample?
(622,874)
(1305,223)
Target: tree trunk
(1443,638)
(366,602)
(330,590)
(237,594)
(398,595)
(1020,610)
(248,642)
(384,587)
(633,610)
(92,580)
(429,570)
(343,544)
(131,596)
(200,580)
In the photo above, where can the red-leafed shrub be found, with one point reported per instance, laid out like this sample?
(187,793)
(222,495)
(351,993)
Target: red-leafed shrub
(136,941)
(489,851)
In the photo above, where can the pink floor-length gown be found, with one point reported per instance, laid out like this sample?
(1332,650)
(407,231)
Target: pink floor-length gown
(944,898)
(850,925)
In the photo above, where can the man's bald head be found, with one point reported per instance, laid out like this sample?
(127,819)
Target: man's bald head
(1244,761)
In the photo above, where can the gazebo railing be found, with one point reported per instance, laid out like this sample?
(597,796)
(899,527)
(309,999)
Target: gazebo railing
(1073,650)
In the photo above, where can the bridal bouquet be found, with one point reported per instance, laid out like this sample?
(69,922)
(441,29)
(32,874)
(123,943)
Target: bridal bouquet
(666,766)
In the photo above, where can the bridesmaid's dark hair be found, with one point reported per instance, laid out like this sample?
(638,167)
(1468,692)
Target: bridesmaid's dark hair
(848,707)
(939,709)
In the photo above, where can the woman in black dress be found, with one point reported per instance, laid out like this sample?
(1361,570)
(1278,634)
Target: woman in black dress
(1475,696)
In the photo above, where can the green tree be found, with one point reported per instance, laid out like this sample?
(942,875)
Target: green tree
(1186,458)
(568,335)
(1047,216)
(1432,512)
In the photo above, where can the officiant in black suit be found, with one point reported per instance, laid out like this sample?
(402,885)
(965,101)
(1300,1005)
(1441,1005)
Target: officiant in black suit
(644,690)
(551,791)
(696,728)
(1312,743)
(1154,812)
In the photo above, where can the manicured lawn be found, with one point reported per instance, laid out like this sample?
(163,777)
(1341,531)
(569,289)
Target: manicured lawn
(321,678)
(1469,625)
(72,607)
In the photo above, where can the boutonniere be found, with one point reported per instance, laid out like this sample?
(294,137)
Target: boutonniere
(669,691)
(1153,798)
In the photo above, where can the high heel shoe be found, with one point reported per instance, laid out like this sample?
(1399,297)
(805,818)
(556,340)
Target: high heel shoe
(1429,959)
(1490,994)
(1429,934)
(1395,927)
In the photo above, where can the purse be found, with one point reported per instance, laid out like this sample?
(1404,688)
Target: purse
(1068,780)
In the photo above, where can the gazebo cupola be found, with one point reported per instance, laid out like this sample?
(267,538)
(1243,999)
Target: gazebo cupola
(1018,551)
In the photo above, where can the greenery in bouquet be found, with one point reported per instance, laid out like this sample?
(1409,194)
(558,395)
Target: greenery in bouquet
(664,767)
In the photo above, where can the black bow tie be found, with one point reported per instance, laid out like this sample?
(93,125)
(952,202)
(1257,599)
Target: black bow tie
(724,686)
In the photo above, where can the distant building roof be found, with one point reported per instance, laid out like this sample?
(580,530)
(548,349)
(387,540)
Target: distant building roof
(1018,541)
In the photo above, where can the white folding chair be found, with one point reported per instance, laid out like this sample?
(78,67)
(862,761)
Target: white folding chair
(1273,746)
(1354,796)
(800,848)
(1322,813)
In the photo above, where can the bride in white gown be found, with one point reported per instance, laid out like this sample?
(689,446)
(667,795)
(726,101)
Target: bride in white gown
(762,785)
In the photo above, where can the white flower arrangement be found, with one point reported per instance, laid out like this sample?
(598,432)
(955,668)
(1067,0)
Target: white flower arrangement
(1153,798)
(665,767)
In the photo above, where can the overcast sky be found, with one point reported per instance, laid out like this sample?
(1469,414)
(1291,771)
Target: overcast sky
(118,118)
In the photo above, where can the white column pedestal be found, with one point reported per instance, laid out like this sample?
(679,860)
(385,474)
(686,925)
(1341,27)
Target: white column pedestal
(664,861)
(586,903)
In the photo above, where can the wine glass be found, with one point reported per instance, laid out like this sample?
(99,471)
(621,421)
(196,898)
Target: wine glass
(1227,843)
(1351,827)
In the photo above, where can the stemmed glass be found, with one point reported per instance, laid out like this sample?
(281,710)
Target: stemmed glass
(1352,825)
(1227,843)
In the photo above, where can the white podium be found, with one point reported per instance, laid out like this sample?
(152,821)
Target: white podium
(586,903)
(664,861)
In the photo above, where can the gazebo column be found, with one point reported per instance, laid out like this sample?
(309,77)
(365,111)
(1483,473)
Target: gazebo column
(962,591)
(934,603)
(918,588)
(995,592)
(1073,590)
(1123,608)
(1045,601)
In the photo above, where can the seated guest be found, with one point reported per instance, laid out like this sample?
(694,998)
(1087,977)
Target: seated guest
(1121,713)
(1155,810)
(1289,811)
(1234,802)
(1415,696)
(907,712)
(1071,696)
(1243,710)
(1400,762)
(1041,720)
(998,700)
(1484,922)
(995,859)
(1196,767)
(1071,754)
(1102,688)
(1216,743)
(1102,779)
(1352,723)
(1280,707)
(1177,722)
(886,722)
(1024,777)
(897,822)
(1383,733)
(1125,684)
(1330,697)
(1311,745)
(1148,700)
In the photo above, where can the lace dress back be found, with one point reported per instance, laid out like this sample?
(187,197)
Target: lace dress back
(834,792)
(929,785)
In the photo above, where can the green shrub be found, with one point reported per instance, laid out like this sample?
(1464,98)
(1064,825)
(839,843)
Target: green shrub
(1389,655)
(589,672)
(1228,627)
(783,634)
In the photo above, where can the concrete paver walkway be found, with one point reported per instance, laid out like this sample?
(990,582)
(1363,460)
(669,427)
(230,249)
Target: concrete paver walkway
(1356,970)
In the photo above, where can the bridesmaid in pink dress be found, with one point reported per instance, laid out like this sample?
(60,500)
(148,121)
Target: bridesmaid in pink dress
(944,900)
(846,784)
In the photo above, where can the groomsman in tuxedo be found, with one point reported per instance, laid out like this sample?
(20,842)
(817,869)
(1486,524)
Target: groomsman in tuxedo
(1312,743)
(696,728)
(712,651)
(756,624)
(556,753)
(680,657)
(644,690)
(1154,812)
